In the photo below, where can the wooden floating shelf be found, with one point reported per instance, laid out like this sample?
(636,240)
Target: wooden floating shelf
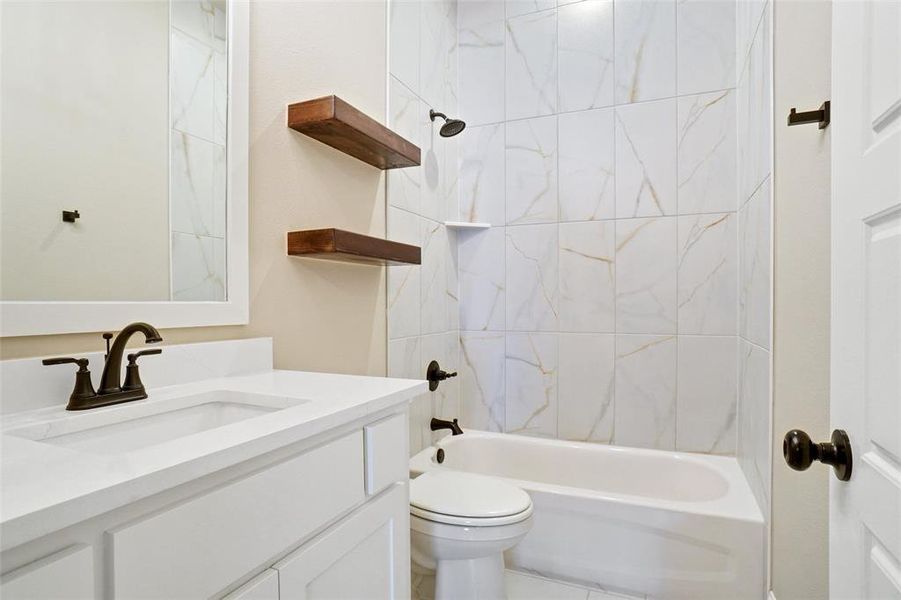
(333,121)
(337,244)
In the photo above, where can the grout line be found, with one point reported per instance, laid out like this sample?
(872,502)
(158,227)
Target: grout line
(608,106)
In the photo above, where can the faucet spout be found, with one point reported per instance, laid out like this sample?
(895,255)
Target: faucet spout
(111,380)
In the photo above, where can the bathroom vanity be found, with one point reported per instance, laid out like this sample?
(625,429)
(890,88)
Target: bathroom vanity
(231,480)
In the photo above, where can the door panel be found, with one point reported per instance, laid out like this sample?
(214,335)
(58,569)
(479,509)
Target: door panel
(865,513)
(366,556)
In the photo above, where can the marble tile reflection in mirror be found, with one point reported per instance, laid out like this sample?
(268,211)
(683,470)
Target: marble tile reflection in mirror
(117,110)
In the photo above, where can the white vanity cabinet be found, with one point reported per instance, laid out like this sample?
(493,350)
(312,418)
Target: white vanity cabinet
(329,520)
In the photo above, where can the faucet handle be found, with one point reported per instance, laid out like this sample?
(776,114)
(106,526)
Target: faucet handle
(81,362)
(132,375)
(84,389)
(134,356)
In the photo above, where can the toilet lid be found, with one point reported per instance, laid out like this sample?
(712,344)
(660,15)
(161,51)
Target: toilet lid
(466,495)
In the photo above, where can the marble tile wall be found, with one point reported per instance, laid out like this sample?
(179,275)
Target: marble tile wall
(604,304)
(754,131)
(620,151)
(423,309)
(197,171)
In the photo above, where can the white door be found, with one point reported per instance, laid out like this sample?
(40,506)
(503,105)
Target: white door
(865,512)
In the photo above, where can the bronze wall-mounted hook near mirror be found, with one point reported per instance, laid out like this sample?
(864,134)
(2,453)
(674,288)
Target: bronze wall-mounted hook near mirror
(69,216)
(821,116)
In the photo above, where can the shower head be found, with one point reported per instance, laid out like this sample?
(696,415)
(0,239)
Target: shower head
(451,127)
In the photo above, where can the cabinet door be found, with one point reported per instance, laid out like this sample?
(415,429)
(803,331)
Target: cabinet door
(261,587)
(366,556)
(68,574)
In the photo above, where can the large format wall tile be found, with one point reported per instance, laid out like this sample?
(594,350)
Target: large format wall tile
(197,186)
(646,149)
(747,19)
(586,164)
(531,171)
(433,288)
(471,13)
(523,7)
(198,267)
(438,54)
(531,255)
(753,419)
(585,55)
(432,199)
(482,182)
(450,178)
(482,380)
(404,358)
(193,86)
(707,165)
(406,117)
(482,280)
(204,20)
(403,280)
(705,45)
(404,29)
(531,65)
(754,269)
(531,383)
(482,62)
(708,274)
(585,399)
(587,282)
(645,34)
(646,266)
(645,391)
(452,280)
(706,397)
(220,97)
(753,115)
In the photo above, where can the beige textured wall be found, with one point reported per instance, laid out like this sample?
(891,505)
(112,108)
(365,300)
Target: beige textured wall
(800,509)
(322,315)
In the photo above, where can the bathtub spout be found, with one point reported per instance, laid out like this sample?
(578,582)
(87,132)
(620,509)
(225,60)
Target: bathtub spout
(438,424)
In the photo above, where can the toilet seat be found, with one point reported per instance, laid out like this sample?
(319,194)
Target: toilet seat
(467,499)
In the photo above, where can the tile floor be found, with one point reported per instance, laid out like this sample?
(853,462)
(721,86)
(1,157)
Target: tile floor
(524,586)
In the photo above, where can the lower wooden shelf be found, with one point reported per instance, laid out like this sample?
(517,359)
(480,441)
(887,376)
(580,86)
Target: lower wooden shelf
(346,246)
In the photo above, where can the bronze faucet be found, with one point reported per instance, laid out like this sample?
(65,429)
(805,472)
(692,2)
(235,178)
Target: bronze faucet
(112,391)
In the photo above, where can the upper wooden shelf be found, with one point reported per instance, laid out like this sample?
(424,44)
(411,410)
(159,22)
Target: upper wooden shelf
(337,244)
(333,121)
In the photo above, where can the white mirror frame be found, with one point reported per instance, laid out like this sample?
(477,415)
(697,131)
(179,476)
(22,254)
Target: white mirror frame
(45,318)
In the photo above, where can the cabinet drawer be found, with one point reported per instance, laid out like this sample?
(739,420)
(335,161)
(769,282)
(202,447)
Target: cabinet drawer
(66,574)
(199,547)
(387,454)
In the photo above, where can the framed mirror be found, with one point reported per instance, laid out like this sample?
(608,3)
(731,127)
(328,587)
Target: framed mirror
(123,164)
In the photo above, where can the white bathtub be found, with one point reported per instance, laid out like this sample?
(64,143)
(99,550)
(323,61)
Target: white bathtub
(662,524)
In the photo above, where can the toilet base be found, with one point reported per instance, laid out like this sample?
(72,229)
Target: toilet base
(474,578)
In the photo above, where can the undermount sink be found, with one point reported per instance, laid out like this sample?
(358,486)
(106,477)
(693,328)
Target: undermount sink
(127,428)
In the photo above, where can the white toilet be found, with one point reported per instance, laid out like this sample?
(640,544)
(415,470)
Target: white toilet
(461,524)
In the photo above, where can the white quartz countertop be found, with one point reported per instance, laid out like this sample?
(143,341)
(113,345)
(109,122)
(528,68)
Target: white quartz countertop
(47,487)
